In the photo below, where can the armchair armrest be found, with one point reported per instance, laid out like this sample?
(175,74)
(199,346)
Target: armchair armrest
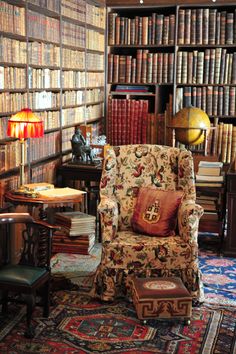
(189,214)
(108,210)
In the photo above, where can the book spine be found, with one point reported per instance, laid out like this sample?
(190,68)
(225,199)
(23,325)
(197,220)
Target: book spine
(111,28)
(229,28)
(205,30)
(181,22)
(206,66)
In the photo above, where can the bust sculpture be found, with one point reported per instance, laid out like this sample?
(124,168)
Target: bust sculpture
(81,152)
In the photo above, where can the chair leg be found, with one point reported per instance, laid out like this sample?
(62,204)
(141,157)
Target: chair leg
(30,332)
(46,300)
(4,302)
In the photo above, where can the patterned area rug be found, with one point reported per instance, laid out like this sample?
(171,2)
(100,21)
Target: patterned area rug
(219,273)
(79,324)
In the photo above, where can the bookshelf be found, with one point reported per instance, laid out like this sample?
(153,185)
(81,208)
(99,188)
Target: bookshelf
(51,60)
(177,55)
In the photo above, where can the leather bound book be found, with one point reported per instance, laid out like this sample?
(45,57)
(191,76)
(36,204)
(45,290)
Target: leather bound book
(212,26)
(187,26)
(181,17)
(111,28)
(193,27)
(222,27)
(166,25)
(229,28)
(172,30)
(159,28)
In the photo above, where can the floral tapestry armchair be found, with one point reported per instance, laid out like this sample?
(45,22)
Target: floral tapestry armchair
(126,253)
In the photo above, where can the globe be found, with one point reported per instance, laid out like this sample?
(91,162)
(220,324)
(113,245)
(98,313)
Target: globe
(191,124)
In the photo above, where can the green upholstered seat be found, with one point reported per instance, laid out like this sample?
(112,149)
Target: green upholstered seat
(20,274)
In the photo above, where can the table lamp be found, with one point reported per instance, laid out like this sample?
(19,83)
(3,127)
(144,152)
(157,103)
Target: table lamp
(23,125)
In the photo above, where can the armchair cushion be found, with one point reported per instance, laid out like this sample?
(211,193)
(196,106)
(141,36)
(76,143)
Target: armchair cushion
(155,213)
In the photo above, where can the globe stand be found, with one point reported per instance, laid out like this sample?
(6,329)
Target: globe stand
(188,146)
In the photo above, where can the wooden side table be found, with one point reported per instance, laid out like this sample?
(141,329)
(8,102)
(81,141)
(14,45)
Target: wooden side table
(85,173)
(43,203)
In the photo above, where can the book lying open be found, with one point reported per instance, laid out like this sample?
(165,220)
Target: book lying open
(61,192)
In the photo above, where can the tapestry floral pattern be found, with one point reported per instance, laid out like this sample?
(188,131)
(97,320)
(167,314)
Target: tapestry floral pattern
(126,254)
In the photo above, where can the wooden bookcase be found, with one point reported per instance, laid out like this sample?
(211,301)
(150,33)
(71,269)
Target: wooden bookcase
(52,61)
(187,57)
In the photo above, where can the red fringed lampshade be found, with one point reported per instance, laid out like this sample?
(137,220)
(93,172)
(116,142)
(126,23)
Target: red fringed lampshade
(25,124)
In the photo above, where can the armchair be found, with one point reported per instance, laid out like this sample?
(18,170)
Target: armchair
(126,253)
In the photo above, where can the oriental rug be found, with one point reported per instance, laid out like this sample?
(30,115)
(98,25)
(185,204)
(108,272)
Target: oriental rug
(79,324)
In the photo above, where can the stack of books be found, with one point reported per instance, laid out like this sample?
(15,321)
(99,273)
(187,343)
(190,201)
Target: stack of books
(77,234)
(209,174)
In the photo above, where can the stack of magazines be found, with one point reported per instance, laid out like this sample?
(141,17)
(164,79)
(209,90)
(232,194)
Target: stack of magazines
(77,234)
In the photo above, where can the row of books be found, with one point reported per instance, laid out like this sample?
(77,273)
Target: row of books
(77,235)
(212,66)
(41,53)
(78,10)
(52,5)
(95,15)
(72,9)
(10,155)
(12,18)
(146,67)
(15,78)
(46,146)
(156,128)
(46,78)
(12,50)
(155,29)
(127,121)
(73,35)
(95,40)
(222,142)
(94,61)
(66,138)
(12,77)
(42,27)
(214,100)
(206,26)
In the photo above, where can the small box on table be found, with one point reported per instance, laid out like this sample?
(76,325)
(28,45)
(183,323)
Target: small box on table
(161,298)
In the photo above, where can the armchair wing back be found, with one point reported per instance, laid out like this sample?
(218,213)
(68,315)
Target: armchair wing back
(125,253)
(128,167)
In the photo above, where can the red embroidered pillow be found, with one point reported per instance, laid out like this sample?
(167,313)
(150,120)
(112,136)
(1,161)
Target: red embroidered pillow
(155,212)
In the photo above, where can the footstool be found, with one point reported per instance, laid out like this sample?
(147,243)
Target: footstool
(161,298)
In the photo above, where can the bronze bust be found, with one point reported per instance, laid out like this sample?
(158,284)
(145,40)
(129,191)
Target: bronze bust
(81,152)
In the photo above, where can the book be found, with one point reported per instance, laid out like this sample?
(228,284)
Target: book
(218,164)
(208,184)
(209,171)
(36,187)
(209,178)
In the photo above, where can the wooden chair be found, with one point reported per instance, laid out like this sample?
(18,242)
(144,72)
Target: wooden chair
(33,269)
